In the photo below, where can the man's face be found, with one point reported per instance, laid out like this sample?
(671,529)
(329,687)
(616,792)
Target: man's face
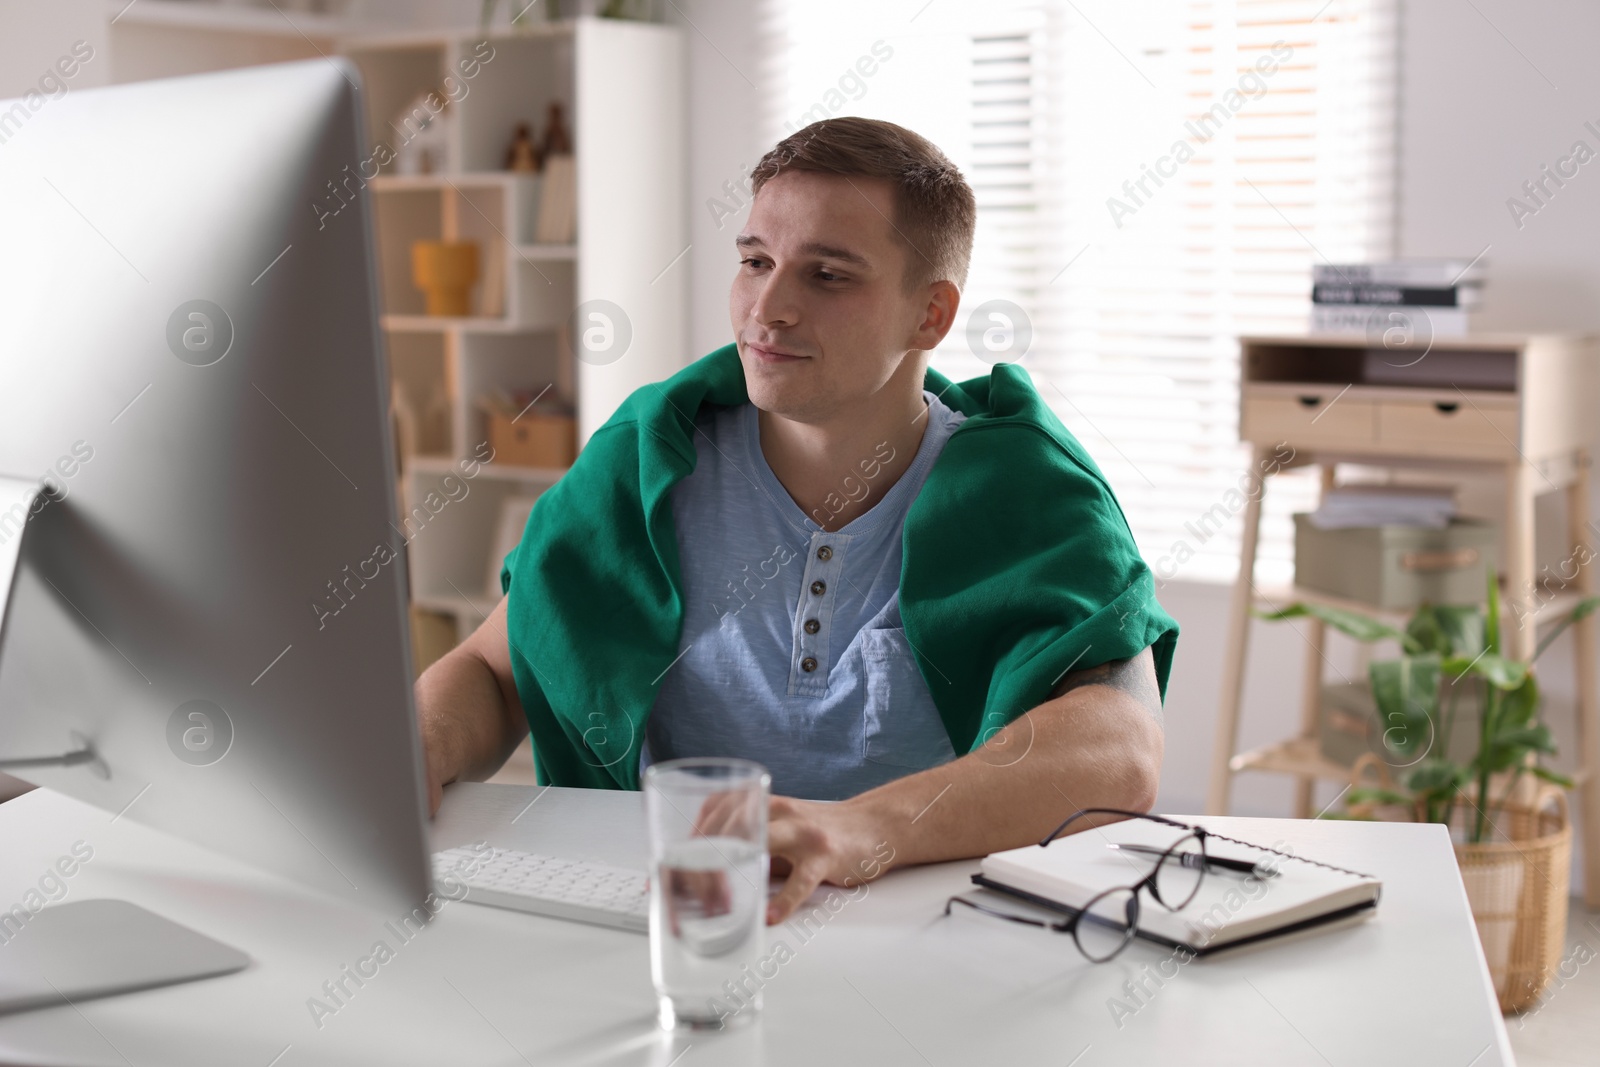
(820,278)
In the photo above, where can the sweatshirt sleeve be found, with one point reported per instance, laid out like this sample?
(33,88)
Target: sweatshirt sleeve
(1027,569)
(590,621)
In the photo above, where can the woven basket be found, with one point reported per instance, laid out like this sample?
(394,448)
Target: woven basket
(1516,884)
(1518,889)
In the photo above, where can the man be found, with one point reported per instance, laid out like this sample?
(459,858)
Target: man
(917,598)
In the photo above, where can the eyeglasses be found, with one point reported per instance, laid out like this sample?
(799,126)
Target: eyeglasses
(1104,926)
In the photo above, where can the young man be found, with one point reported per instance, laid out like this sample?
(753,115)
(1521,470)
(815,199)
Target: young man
(917,598)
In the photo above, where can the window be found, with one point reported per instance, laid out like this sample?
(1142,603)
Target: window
(1153,180)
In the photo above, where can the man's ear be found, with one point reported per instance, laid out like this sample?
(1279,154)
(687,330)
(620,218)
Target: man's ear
(942,302)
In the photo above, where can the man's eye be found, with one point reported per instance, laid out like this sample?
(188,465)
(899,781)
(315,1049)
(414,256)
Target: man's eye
(828,276)
(749,260)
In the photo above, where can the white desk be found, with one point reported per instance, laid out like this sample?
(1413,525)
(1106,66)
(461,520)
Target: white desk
(887,980)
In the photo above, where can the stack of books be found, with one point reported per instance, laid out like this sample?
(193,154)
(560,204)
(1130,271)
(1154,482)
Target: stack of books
(1430,297)
(1351,506)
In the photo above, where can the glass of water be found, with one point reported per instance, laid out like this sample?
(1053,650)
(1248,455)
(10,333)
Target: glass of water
(707,822)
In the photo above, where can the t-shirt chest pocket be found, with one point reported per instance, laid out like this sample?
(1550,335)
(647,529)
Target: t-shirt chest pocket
(900,724)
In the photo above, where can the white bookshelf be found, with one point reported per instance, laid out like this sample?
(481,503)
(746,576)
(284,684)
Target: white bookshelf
(623,90)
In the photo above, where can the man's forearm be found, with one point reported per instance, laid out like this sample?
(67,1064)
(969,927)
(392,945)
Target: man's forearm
(1095,746)
(464,718)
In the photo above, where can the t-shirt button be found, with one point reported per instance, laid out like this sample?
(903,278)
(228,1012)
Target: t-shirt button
(808,664)
(819,587)
(812,626)
(825,553)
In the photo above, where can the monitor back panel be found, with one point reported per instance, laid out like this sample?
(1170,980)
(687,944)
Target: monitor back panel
(190,358)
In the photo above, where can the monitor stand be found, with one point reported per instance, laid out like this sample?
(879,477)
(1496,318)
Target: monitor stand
(86,948)
(94,948)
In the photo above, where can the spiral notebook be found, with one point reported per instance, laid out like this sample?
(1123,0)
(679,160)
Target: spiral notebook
(1229,910)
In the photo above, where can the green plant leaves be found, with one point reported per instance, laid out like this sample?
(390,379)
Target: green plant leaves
(1582,610)
(1439,778)
(1426,630)
(1445,643)
(1377,795)
(1358,626)
(1494,668)
(1491,620)
(1519,706)
(1553,777)
(1407,694)
(1462,627)
(1508,747)
(1434,784)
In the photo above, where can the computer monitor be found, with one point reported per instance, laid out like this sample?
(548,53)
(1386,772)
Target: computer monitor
(198,470)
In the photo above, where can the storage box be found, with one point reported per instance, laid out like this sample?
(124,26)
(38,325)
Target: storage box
(1395,567)
(533,439)
(1348,725)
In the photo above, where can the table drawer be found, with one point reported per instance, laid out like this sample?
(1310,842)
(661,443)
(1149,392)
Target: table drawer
(1309,418)
(1477,427)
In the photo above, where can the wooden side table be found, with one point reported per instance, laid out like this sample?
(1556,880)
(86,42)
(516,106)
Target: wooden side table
(1519,405)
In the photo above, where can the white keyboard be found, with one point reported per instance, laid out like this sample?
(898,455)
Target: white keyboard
(549,885)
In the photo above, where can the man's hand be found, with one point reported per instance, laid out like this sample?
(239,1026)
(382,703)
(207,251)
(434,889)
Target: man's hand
(438,768)
(815,842)
(1097,742)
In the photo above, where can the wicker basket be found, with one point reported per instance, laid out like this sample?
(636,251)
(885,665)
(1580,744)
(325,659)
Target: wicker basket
(1518,889)
(1517,886)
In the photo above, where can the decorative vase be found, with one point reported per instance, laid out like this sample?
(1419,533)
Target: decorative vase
(445,271)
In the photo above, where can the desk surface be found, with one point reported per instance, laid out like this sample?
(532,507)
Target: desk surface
(884,980)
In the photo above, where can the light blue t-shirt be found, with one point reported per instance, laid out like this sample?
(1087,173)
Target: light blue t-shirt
(793,653)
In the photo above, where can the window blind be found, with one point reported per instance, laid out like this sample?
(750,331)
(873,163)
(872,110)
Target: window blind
(1153,180)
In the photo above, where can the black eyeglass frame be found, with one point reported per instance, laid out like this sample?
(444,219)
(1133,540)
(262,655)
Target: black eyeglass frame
(1069,925)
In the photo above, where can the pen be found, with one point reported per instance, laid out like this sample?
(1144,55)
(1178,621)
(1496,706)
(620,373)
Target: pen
(1192,859)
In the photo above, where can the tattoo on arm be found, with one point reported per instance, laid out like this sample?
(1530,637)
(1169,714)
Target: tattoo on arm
(1135,676)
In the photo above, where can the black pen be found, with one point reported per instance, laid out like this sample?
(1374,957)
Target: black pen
(1192,859)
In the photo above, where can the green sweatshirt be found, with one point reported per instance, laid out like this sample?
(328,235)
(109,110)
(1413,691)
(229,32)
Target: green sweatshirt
(1017,565)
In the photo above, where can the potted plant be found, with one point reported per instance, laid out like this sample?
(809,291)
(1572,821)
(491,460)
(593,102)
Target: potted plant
(1514,855)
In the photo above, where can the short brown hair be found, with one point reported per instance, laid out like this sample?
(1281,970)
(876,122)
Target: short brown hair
(935,211)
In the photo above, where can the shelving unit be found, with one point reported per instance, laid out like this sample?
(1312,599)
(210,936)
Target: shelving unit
(1519,406)
(622,85)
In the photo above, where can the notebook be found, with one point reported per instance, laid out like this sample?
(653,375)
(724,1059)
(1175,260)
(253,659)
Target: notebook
(1230,910)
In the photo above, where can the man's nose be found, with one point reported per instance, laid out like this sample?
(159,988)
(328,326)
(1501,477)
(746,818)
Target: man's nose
(775,302)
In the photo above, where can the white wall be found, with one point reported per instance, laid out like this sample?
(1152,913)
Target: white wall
(1486,101)
(724,144)
(34,35)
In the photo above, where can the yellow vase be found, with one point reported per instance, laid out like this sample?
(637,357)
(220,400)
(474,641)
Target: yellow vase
(445,271)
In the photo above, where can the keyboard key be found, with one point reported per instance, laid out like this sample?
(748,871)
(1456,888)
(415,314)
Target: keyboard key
(557,887)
